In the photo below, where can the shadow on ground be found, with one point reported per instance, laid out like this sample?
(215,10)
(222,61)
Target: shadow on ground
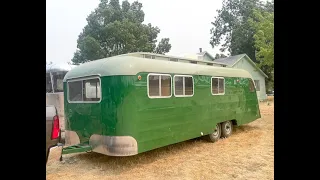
(117,165)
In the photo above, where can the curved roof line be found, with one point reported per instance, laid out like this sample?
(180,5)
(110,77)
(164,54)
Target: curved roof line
(129,65)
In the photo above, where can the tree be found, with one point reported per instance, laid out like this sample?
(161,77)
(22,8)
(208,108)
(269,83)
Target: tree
(263,24)
(218,56)
(231,25)
(163,46)
(113,29)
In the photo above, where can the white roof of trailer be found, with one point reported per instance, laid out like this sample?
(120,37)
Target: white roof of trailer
(129,65)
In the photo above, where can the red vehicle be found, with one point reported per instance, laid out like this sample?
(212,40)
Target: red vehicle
(52,128)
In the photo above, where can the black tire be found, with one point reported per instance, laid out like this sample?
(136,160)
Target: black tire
(226,129)
(215,136)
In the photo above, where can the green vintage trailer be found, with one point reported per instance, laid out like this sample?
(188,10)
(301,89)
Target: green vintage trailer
(124,105)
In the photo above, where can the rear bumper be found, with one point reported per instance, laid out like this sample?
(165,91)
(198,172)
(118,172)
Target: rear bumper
(108,145)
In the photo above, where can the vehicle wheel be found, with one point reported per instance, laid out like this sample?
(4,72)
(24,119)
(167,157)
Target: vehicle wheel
(215,136)
(226,129)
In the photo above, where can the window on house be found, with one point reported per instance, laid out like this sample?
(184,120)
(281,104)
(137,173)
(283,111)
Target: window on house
(183,85)
(217,85)
(251,86)
(257,83)
(159,85)
(88,90)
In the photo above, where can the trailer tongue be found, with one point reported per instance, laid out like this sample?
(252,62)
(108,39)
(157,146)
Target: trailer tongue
(78,148)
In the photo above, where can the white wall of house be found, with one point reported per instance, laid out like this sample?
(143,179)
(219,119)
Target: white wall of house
(256,75)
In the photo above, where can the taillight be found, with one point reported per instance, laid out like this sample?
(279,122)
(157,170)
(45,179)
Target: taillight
(55,128)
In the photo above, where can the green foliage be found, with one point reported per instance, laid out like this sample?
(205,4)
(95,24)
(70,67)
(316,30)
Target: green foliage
(163,46)
(234,28)
(218,56)
(113,29)
(231,26)
(263,24)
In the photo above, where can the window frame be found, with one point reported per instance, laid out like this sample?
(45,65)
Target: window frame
(83,79)
(224,86)
(255,84)
(159,74)
(183,85)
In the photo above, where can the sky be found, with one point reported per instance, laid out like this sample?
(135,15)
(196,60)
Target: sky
(187,23)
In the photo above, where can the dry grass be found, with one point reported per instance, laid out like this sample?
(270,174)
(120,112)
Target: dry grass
(247,154)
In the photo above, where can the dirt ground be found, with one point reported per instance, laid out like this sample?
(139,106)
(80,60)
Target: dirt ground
(247,154)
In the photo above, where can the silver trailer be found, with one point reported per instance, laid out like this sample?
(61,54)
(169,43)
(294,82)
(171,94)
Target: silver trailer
(55,74)
(54,88)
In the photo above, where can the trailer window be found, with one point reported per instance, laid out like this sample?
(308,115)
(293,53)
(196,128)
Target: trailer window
(251,86)
(217,86)
(159,85)
(183,86)
(92,90)
(75,91)
(87,90)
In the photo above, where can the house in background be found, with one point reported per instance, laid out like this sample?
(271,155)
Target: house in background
(242,61)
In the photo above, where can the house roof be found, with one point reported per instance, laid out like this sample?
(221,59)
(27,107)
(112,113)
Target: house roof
(232,60)
(130,65)
(206,53)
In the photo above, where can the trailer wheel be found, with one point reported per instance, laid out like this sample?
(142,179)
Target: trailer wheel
(215,136)
(226,129)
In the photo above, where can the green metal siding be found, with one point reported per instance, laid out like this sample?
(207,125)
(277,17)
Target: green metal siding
(126,109)
(256,75)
